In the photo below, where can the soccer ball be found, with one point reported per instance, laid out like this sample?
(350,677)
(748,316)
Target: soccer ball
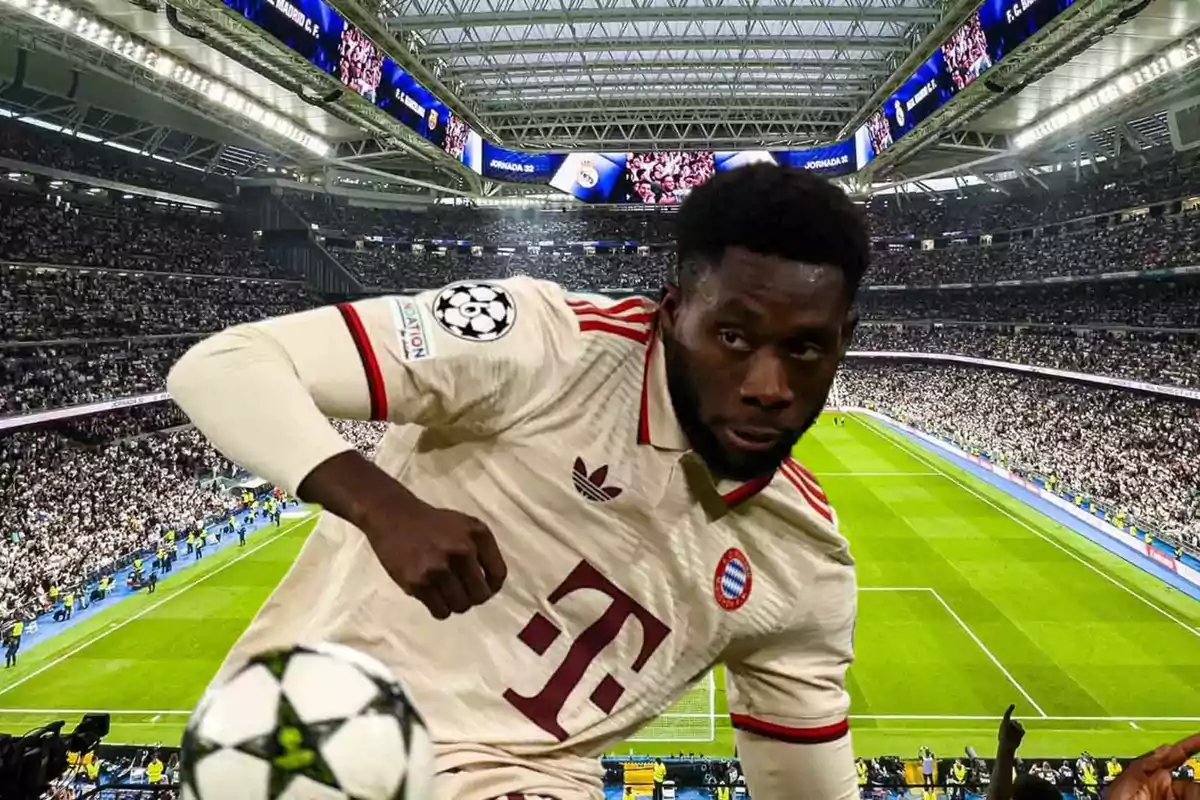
(307,723)
(481,312)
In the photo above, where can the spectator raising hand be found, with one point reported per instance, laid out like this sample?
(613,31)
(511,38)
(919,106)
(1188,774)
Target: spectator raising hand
(1151,776)
(1010,735)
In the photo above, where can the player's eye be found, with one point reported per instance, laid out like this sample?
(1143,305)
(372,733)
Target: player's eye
(733,339)
(807,352)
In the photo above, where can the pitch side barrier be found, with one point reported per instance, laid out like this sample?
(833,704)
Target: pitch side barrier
(688,778)
(1181,574)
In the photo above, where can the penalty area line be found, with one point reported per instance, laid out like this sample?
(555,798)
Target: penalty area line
(152,607)
(966,629)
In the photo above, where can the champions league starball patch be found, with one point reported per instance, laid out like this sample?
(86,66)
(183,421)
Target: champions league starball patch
(479,312)
(731,582)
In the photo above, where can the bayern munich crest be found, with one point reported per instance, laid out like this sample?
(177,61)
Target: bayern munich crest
(731,583)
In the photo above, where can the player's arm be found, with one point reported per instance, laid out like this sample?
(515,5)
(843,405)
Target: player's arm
(262,393)
(788,705)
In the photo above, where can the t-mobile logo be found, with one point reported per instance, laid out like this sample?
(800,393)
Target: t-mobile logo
(539,633)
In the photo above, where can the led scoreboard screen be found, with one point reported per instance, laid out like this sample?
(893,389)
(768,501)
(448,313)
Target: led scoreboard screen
(313,29)
(338,48)
(990,33)
(662,177)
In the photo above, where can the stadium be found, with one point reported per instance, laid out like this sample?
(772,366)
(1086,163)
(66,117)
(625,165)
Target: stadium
(1011,444)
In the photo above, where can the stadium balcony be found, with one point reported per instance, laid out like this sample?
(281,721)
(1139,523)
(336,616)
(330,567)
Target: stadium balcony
(1156,357)
(975,210)
(130,235)
(27,148)
(1065,195)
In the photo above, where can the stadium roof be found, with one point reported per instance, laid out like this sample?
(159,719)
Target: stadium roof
(610,75)
(660,73)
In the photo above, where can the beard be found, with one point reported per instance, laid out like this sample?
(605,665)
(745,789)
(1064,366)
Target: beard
(685,399)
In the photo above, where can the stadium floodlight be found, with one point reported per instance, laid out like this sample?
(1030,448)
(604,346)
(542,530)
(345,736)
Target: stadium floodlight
(1123,85)
(114,40)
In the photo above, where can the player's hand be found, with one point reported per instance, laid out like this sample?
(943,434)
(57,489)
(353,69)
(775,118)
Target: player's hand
(1149,777)
(1011,732)
(447,560)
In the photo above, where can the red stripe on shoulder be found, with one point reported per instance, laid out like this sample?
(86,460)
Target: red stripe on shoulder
(628,304)
(366,353)
(811,478)
(635,333)
(785,733)
(796,480)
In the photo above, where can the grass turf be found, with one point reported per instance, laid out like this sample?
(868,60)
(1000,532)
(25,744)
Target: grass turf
(970,601)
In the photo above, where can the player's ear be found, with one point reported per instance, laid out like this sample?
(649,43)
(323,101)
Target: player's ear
(669,301)
(848,327)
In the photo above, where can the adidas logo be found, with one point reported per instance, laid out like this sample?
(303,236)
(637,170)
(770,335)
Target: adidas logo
(592,486)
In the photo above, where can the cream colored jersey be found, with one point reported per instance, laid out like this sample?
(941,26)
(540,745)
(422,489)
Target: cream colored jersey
(631,572)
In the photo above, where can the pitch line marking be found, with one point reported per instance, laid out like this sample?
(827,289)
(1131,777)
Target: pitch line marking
(988,653)
(877,474)
(113,629)
(962,623)
(920,457)
(936,718)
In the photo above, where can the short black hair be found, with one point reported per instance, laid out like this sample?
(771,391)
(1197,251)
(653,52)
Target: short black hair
(1031,787)
(774,211)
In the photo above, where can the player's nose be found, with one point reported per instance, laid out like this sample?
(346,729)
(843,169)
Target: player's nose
(765,384)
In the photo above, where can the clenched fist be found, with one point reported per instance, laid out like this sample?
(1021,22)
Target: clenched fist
(447,560)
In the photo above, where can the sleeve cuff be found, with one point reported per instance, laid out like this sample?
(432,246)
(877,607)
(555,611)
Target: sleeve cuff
(786,733)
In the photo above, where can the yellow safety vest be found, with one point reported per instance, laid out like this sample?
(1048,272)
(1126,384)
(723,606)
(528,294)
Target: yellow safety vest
(18,629)
(154,771)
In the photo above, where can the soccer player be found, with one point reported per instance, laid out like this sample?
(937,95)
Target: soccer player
(582,504)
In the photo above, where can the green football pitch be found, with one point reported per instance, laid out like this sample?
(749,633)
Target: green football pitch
(970,601)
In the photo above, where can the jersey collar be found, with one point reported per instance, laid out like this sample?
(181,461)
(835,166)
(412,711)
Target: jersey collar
(657,424)
(659,427)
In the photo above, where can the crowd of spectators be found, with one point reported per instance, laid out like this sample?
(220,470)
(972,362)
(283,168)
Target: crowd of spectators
(1146,304)
(1152,243)
(55,375)
(22,142)
(499,226)
(46,304)
(78,496)
(68,510)
(1129,451)
(1151,356)
(133,236)
(396,268)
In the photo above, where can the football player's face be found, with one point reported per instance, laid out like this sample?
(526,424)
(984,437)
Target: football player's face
(751,353)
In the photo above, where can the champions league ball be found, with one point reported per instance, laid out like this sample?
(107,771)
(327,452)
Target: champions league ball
(309,723)
(481,312)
